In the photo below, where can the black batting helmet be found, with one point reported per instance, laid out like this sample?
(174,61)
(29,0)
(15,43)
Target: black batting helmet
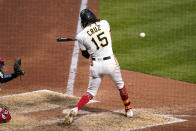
(87,17)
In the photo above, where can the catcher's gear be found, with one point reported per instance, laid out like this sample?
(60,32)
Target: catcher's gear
(87,17)
(4,114)
(17,67)
(1,62)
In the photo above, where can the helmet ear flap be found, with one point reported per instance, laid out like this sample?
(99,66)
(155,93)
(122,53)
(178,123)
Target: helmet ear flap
(83,23)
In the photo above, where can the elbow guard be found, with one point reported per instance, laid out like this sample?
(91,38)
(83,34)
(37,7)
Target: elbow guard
(85,54)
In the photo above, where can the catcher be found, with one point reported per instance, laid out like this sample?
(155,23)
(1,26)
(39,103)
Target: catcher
(8,77)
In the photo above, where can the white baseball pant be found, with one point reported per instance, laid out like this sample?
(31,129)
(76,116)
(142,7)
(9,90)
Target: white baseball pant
(101,67)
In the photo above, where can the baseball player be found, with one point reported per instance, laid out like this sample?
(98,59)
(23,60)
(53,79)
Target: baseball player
(8,77)
(95,43)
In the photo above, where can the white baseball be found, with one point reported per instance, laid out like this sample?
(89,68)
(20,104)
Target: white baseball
(142,34)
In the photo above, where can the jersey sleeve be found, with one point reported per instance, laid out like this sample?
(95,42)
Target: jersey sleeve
(107,25)
(80,43)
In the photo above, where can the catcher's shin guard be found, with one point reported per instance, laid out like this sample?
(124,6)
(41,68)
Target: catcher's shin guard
(125,98)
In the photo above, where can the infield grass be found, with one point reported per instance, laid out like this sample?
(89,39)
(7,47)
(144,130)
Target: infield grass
(169,48)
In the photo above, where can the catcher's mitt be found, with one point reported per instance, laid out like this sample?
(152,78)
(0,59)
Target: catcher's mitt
(17,67)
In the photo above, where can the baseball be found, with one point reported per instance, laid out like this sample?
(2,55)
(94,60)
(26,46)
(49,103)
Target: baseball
(142,34)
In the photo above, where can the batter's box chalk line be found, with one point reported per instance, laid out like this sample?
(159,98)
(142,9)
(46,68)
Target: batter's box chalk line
(180,115)
(50,122)
(171,118)
(88,113)
(44,91)
(175,120)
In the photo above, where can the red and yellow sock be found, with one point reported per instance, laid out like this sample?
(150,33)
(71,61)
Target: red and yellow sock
(84,100)
(125,98)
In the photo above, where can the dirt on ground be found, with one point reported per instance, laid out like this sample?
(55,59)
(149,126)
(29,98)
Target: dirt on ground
(41,108)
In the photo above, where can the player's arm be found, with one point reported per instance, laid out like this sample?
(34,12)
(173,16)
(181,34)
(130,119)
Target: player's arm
(84,51)
(83,48)
(7,77)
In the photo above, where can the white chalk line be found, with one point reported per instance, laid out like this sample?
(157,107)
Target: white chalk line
(177,120)
(154,125)
(40,91)
(50,122)
(47,91)
(181,115)
(75,54)
(37,91)
(92,101)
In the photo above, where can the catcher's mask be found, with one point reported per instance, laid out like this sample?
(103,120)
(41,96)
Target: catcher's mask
(87,17)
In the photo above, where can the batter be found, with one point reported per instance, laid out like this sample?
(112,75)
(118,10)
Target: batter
(95,43)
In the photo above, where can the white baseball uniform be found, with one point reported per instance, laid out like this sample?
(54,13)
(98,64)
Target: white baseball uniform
(96,39)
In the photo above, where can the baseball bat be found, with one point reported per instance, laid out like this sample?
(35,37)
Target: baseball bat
(61,39)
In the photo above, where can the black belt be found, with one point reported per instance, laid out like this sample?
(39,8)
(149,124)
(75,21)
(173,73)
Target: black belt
(104,58)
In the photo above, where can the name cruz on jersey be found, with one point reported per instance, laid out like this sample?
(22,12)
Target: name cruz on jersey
(96,39)
(94,30)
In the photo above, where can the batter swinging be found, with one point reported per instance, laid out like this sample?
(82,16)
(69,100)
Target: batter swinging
(95,42)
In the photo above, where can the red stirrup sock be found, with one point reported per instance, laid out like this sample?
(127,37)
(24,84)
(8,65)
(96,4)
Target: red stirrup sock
(84,100)
(125,98)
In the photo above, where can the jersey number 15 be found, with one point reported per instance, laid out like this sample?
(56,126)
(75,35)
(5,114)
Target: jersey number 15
(102,39)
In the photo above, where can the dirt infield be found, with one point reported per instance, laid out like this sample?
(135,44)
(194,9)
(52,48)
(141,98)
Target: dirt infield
(29,29)
(41,102)
(22,106)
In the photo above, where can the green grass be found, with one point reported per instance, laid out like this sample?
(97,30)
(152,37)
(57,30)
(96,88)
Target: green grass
(169,48)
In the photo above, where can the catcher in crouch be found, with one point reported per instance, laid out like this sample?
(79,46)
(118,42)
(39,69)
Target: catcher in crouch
(95,43)
(4,113)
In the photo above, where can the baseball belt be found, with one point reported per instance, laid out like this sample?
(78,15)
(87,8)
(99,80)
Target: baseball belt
(104,58)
